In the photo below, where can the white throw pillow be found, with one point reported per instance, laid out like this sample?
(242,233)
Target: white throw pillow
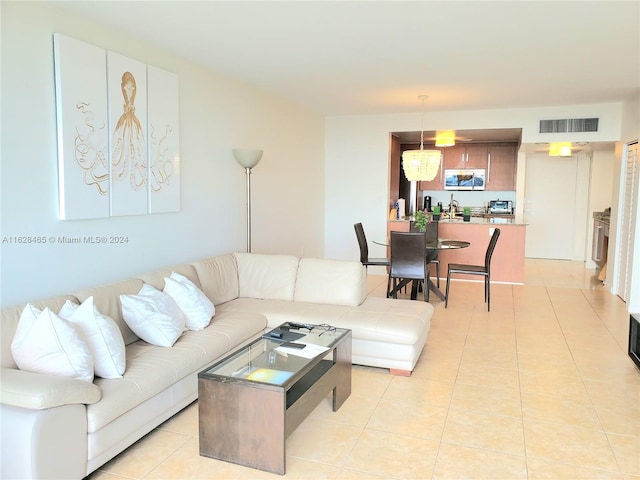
(102,336)
(153,316)
(195,305)
(46,343)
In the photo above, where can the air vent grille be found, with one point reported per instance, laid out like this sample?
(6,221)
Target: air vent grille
(569,125)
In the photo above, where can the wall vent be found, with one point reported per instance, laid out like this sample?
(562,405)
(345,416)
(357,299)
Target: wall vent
(569,125)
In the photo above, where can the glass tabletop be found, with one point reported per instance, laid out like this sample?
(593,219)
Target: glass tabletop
(446,244)
(270,360)
(438,244)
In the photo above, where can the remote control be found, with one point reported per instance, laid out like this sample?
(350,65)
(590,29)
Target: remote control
(275,334)
(292,345)
(300,325)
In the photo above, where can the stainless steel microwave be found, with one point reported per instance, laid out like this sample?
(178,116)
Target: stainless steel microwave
(465,179)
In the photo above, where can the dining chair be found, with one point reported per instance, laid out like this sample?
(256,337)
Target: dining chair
(432,256)
(364,249)
(484,270)
(408,261)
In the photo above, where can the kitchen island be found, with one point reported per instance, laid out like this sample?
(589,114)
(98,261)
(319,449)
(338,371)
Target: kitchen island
(507,264)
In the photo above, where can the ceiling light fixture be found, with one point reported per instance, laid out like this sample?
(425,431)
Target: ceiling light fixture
(421,164)
(445,138)
(560,149)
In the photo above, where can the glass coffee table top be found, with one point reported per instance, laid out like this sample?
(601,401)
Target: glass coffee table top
(273,359)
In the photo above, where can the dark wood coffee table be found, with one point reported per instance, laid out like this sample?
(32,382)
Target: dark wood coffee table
(251,401)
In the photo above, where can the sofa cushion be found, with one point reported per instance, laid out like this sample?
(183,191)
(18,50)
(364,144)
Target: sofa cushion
(46,343)
(107,299)
(102,336)
(156,278)
(333,282)
(152,369)
(271,277)
(153,316)
(197,308)
(218,278)
(383,320)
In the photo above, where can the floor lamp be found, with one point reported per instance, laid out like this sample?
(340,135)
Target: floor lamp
(248,158)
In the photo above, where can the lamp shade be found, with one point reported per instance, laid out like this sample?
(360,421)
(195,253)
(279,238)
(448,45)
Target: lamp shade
(421,164)
(560,149)
(247,157)
(445,138)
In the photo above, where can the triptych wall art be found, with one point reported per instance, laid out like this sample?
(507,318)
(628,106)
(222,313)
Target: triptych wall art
(118,145)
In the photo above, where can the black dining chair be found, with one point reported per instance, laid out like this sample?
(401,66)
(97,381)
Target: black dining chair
(364,249)
(408,261)
(484,270)
(432,236)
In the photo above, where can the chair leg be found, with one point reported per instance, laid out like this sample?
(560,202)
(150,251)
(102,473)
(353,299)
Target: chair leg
(426,285)
(488,294)
(486,288)
(389,286)
(446,294)
(438,273)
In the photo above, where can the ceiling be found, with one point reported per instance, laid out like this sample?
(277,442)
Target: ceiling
(377,57)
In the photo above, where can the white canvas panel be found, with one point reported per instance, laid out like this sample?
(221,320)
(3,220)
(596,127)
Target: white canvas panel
(164,145)
(127,86)
(82,129)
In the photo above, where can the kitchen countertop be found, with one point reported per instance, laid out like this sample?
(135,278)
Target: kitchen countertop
(477,220)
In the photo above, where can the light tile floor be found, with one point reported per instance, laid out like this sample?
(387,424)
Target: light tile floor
(539,388)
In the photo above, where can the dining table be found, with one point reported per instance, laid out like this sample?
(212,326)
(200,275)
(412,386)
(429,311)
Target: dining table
(433,248)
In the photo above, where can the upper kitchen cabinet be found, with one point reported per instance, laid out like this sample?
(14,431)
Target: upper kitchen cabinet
(465,156)
(501,166)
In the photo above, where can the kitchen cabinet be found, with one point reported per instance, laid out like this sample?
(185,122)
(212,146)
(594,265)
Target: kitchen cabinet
(600,242)
(502,163)
(472,155)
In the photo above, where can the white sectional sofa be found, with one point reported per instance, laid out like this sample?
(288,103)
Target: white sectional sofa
(59,427)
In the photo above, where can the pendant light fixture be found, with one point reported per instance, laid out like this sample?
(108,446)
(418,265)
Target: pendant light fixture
(445,138)
(421,164)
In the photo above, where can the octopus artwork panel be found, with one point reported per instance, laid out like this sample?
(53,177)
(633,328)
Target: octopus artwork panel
(164,145)
(127,83)
(82,129)
(118,144)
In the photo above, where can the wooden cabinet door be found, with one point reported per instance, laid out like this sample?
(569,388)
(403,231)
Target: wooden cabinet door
(476,156)
(501,167)
(454,157)
(465,156)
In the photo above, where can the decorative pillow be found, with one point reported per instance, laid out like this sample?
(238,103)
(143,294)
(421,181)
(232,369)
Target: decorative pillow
(46,343)
(195,305)
(102,336)
(153,316)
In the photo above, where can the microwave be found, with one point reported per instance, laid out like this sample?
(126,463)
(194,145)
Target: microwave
(464,179)
(501,206)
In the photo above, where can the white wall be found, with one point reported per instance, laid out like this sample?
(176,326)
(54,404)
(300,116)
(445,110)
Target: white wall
(357,160)
(600,192)
(216,115)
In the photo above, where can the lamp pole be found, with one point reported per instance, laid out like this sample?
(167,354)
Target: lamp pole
(248,158)
(247,171)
